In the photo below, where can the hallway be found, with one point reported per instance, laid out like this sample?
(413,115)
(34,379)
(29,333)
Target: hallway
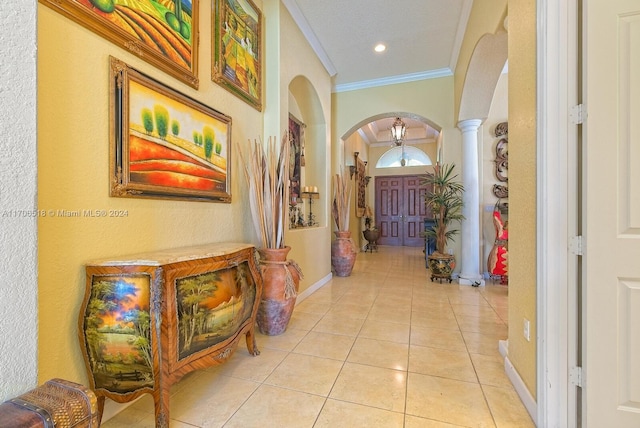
(384,347)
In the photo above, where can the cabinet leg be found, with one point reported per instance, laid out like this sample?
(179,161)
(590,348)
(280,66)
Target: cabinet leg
(161,401)
(251,343)
(100,400)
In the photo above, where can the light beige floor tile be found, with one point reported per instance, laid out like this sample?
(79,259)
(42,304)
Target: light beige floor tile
(389,331)
(503,313)
(467,298)
(479,325)
(433,320)
(506,407)
(416,422)
(441,362)
(425,301)
(306,373)
(485,344)
(447,400)
(277,407)
(130,418)
(400,315)
(371,386)
(321,307)
(489,316)
(387,303)
(342,414)
(349,310)
(437,338)
(255,368)
(460,309)
(304,320)
(285,342)
(211,402)
(380,353)
(490,370)
(339,325)
(325,345)
(392,299)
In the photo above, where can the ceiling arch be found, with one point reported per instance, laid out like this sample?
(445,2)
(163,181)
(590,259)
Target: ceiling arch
(487,62)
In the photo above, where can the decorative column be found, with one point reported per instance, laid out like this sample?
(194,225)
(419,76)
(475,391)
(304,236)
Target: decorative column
(470,231)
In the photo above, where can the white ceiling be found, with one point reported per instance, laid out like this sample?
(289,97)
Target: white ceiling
(423,39)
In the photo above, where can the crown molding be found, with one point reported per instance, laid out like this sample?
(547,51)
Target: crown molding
(311,37)
(392,80)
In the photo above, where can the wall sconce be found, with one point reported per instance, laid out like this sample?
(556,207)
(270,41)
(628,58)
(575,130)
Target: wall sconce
(352,170)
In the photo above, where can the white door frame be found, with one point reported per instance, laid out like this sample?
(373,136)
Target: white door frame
(556,213)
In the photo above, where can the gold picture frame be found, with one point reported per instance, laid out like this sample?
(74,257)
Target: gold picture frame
(165,144)
(163,33)
(237,49)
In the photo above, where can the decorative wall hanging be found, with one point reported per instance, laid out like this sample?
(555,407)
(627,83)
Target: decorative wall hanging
(295,167)
(237,49)
(164,144)
(361,181)
(163,33)
(501,161)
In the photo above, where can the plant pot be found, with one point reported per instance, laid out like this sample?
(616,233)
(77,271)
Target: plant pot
(371,235)
(343,253)
(280,282)
(441,266)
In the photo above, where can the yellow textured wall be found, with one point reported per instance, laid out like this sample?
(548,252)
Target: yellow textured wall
(310,247)
(73,174)
(522,182)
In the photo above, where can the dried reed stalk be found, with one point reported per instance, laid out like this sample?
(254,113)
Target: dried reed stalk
(267,174)
(341,201)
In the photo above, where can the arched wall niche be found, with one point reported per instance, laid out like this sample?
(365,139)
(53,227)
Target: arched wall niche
(305,106)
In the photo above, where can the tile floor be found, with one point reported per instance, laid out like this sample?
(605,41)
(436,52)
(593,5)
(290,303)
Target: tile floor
(384,347)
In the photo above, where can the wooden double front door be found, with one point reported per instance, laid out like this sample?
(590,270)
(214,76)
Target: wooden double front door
(400,210)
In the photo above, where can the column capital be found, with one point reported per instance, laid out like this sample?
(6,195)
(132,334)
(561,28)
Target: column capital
(468,125)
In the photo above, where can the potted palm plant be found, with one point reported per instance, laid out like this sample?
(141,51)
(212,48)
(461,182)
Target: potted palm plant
(444,199)
(267,173)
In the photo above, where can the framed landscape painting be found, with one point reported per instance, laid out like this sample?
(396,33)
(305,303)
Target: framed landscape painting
(165,144)
(237,49)
(162,32)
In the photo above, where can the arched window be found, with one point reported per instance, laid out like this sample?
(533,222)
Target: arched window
(403,156)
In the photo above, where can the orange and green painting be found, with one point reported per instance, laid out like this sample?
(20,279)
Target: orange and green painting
(162,25)
(240,46)
(173,145)
(212,307)
(117,332)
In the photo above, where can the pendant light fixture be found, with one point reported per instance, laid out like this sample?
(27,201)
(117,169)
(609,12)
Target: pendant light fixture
(398,129)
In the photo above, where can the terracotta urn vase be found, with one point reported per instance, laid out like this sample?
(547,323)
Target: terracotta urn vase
(343,253)
(280,283)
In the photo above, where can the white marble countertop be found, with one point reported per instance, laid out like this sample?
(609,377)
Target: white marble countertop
(173,255)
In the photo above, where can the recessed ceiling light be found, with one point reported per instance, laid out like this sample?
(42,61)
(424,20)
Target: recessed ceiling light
(380,48)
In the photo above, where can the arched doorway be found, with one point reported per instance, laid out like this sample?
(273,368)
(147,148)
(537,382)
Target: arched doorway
(395,194)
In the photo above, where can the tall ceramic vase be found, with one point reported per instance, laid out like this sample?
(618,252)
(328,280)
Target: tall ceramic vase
(343,253)
(280,282)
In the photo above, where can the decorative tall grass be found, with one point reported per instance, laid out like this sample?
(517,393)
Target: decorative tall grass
(267,172)
(341,201)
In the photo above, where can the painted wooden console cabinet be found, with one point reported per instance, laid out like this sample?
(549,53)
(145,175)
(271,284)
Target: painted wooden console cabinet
(149,319)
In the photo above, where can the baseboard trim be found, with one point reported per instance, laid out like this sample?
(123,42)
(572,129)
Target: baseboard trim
(521,389)
(315,287)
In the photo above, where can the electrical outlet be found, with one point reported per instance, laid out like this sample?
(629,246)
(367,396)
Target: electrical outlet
(527,334)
